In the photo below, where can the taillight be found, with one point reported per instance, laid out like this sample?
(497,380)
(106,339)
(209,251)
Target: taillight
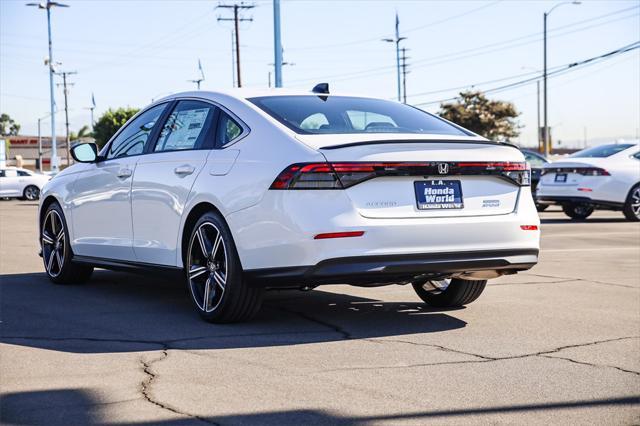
(585,171)
(342,175)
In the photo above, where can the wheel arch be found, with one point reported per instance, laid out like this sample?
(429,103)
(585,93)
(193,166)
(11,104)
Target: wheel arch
(46,202)
(194,214)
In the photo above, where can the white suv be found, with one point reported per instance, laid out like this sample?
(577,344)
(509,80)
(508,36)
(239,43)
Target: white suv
(244,191)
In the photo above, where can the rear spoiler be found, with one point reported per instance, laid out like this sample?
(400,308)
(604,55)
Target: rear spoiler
(396,141)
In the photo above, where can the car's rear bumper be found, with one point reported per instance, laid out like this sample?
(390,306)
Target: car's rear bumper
(562,200)
(389,269)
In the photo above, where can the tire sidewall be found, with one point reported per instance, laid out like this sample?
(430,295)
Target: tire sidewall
(24,193)
(627,210)
(66,263)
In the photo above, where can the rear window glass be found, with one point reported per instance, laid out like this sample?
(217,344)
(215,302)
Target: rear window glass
(602,151)
(340,114)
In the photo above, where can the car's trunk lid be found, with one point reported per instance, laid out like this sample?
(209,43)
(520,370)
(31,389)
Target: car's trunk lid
(429,191)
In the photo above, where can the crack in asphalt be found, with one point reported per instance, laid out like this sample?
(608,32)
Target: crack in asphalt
(151,377)
(534,282)
(485,358)
(344,333)
(582,279)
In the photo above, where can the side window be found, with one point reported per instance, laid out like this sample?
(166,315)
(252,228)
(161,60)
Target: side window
(228,129)
(23,173)
(534,160)
(2,173)
(187,127)
(637,156)
(132,139)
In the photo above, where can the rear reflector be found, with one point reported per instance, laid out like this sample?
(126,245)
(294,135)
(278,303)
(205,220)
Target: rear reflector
(339,235)
(585,189)
(529,227)
(585,171)
(342,175)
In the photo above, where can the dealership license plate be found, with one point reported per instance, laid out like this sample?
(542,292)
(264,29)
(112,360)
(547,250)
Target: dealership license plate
(561,177)
(438,194)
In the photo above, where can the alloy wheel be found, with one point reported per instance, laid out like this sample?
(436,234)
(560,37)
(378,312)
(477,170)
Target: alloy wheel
(53,245)
(635,202)
(207,267)
(31,193)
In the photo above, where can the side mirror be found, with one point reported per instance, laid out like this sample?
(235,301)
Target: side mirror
(85,152)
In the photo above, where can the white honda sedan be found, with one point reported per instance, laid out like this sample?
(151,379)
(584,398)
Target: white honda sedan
(16,182)
(246,191)
(602,177)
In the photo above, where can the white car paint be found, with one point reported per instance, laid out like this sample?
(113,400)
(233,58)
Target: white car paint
(623,170)
(140,216)
(14,181)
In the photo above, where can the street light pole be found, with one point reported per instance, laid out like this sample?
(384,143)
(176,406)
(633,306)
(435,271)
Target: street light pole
(547,140)
(48,5)
(277,44)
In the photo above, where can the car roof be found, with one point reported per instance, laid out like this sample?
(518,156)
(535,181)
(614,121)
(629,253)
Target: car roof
(248,93)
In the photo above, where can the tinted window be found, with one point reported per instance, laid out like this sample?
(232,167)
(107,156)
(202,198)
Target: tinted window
(352,115)
(228,129)
(23,173)
(133,137)
(1,173)
(637,156)
(602,151)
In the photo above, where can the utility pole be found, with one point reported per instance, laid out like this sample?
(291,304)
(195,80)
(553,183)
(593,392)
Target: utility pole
(201,79)
(397,41)
(540,148)
(65,85)
(48,5)
(236,21)
(404,74)
(547,140)
(277,44)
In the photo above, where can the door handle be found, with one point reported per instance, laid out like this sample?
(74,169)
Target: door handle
(124,173)
(184,170)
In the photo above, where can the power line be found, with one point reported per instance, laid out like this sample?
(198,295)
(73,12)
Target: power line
(480,50)
(560,71)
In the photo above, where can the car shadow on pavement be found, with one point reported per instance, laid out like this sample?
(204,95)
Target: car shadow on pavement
(80,406)
(117,312)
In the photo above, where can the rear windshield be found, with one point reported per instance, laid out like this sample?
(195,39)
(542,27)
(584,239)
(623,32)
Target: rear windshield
(340,114)
(602,150)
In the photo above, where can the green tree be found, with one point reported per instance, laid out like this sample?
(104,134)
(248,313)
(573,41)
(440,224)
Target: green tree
(82,133)
(110,122)
(8,126)
(491,119)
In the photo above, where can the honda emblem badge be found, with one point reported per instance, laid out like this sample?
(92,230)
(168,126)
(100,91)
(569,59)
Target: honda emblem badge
(443,168)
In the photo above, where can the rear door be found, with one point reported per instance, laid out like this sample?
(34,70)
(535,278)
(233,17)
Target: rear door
(164,177)
(430,178)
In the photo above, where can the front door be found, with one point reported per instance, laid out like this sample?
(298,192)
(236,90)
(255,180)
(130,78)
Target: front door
(101,198)
(164,177)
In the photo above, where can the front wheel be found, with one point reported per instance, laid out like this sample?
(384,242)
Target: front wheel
(578,211)
(56,250)
(449,292)
(214,274)
(632,205)
(31,193)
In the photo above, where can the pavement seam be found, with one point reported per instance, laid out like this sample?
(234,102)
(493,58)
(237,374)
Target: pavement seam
(591,364)
(581,279)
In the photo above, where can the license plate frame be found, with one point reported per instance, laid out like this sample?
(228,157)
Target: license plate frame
(560,178)
(444,199)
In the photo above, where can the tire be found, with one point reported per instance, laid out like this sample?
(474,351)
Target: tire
(541,207)
(56,251)
(31,193)
(214,274)
(631,208)
(578,211)
(449,293)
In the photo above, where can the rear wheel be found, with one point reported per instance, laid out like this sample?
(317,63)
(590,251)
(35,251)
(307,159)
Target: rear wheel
(214,274)
(449,292)
(31,193)
(578,211)
(56,251)
(632,205)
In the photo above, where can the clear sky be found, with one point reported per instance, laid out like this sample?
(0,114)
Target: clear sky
(129,52)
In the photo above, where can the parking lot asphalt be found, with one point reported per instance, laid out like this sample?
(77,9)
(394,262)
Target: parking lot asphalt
(559,344)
